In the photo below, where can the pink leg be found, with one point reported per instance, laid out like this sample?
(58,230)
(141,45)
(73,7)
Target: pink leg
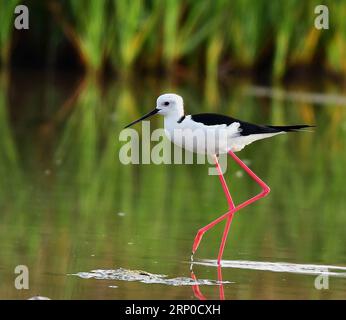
(200,233)
(224,185)
(229,214)
(231,207)
(224,236)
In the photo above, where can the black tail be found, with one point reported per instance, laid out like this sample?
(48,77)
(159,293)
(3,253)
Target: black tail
(290,128)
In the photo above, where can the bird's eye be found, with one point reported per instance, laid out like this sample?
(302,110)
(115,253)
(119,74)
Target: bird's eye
(166,103)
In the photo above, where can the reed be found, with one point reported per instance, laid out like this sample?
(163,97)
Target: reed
(195,35)
(83,24)
(6,28)
(131,24)
(336,42)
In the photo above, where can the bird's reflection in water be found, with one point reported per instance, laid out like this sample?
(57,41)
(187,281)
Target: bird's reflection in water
(197,291)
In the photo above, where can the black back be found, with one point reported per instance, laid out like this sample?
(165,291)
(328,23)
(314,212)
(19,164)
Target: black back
(212,119)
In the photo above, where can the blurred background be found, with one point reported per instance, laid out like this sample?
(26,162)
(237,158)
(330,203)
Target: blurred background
(84,69)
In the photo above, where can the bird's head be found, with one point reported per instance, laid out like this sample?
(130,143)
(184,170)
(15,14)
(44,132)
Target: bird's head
(168,104)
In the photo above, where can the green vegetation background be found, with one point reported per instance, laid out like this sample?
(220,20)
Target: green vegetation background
(201,36)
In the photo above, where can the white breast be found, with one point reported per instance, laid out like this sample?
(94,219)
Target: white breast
(199,138)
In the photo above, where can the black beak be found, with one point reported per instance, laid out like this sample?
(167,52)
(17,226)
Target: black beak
(151,113)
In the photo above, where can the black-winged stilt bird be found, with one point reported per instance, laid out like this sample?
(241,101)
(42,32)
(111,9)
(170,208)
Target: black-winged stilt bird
(216,134)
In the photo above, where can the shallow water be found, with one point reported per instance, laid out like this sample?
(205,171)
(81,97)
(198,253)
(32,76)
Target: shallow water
(70,208)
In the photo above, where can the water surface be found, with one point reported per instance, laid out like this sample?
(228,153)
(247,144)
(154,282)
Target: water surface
(70,208)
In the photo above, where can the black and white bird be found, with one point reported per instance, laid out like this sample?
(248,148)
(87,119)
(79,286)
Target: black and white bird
(211,133)
(214,134)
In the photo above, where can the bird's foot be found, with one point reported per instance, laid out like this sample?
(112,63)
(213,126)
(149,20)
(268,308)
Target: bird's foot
(197,240)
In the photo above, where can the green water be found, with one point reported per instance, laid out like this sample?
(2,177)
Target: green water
(68,205)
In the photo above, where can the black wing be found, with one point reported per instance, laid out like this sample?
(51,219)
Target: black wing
(212,119)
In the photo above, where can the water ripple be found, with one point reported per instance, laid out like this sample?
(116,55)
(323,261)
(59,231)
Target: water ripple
(144,277)
(310,269)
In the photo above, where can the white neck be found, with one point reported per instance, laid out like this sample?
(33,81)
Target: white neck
(174,115)
(171,120)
